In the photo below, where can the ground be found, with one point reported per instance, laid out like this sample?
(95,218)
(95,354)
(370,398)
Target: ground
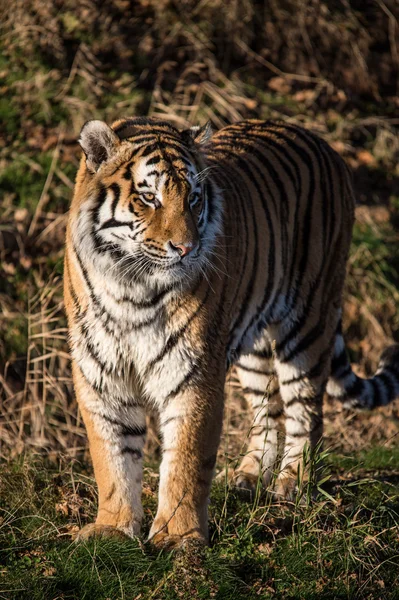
(345,544)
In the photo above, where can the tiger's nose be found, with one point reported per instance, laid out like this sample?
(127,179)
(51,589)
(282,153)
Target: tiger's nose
(184,249)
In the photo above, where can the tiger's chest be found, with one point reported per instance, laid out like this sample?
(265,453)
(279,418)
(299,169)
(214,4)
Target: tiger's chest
(119,340)
(125,351)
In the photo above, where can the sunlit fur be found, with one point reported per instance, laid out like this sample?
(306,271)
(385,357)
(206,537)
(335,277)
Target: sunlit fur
(266,209)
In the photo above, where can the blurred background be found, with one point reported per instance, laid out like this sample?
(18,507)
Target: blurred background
(331,66)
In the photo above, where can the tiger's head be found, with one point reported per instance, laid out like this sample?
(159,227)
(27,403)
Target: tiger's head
(143,201)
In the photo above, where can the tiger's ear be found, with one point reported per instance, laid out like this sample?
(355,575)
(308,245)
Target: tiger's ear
(198,135)
(99,143)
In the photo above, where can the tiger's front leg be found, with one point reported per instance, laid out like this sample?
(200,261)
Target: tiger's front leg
(116,435)
(190,423)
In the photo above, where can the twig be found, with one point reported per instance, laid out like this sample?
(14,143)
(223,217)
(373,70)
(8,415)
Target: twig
(278,71)
(43,197)
(170,518)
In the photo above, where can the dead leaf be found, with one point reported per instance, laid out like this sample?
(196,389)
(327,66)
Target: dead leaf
(21,214)
(62,507)
(280,85)
(9,268)
(366,158)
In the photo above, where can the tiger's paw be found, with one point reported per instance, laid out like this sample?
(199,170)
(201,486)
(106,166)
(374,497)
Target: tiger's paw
(166,541)
(98,530)
(245,482)
(162,536)
(286,490)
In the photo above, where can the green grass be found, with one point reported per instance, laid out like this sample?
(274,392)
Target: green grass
(373,253)
(25,177)
(343,547)
(375,458)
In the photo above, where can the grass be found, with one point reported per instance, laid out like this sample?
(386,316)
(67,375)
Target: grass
(342,545)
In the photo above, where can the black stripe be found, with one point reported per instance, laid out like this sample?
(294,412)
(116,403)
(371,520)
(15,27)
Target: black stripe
(306,229)
(250,174)
(387,382)
(266,353)
(314,371)
(101,198)
(339,360)
(304,400)
(171,419)
(75,299)
(148,150)
(314,421)
(115,223)
(145,303)
(127,173)
(343,372)
(136,430)
(264,393)
(176,336)
(253,457)
(184,382)
(208,191)
(305,342)
(241,218)
(117,194)
(298,434)
(257,371)
(275,414)
(153,161)
(376,394)
(91,350)
(356,388)
(135,452)
(328,204)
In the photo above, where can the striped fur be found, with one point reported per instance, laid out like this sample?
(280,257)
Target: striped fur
(188,252)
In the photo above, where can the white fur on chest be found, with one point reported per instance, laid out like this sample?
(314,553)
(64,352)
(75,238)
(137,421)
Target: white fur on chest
(116,349)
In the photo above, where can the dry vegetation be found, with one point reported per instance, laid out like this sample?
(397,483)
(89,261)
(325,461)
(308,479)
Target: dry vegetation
(330,66)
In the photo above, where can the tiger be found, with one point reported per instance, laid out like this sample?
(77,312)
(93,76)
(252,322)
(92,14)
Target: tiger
(188,253)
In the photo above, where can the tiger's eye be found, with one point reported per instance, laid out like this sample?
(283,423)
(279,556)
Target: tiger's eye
(148,197)
(193,198)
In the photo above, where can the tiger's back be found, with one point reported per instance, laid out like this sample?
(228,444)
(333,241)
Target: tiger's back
(187,252)
(289,206)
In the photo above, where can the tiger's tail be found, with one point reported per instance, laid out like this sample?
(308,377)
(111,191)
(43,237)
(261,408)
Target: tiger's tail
(356,392)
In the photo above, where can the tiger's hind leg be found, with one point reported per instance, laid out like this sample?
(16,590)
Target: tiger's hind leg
(302,378)
(261,390)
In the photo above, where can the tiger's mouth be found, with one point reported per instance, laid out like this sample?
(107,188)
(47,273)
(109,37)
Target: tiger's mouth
(145,266)
(170,262)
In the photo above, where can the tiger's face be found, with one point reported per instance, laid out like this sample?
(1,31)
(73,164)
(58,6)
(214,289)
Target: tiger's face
(147,199)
